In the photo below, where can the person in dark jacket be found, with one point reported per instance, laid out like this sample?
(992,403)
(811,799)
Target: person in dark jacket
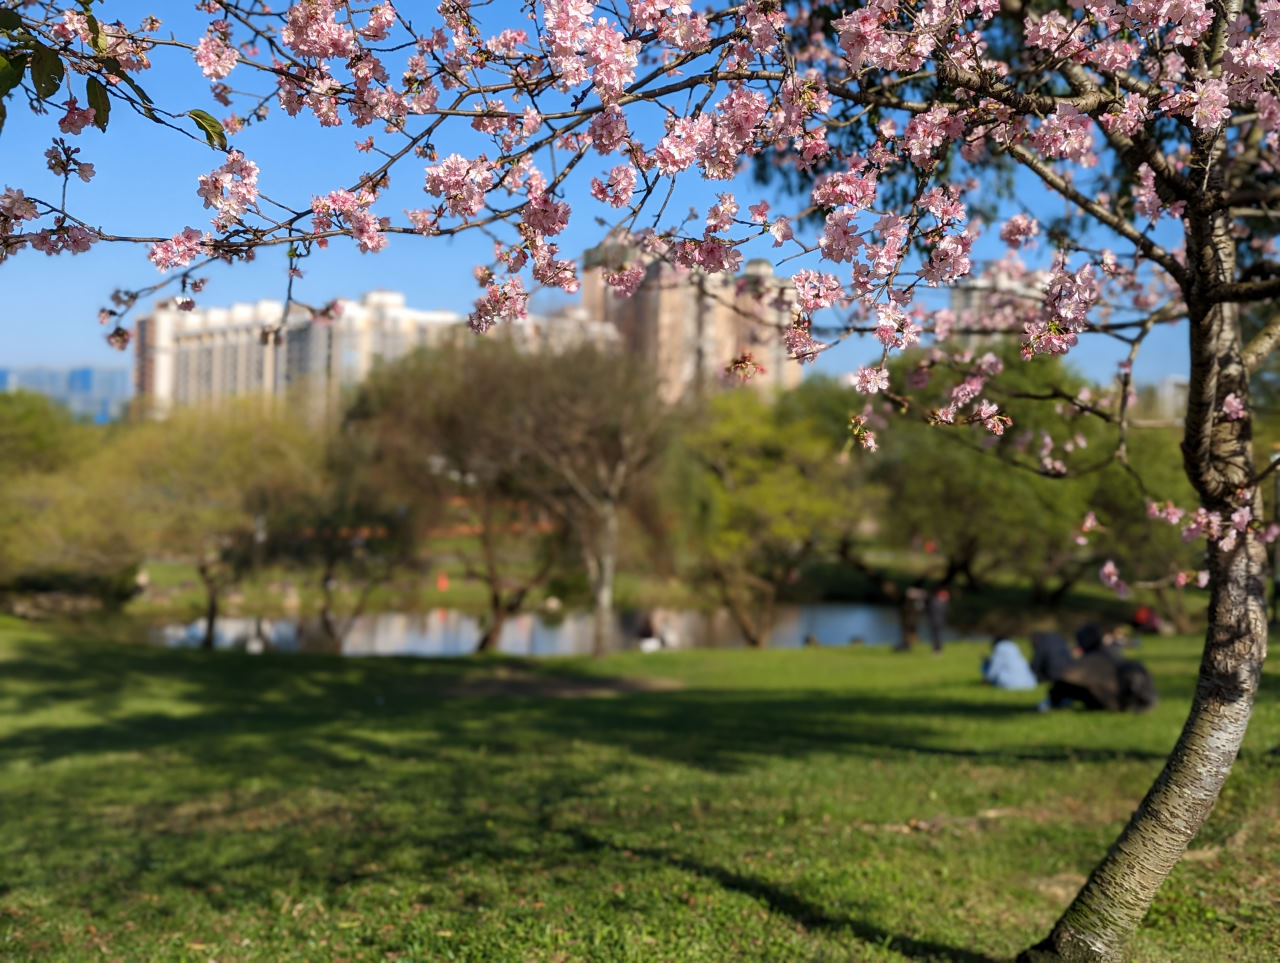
(1050,655)
(936,610)
(1105,680)
(1089,638)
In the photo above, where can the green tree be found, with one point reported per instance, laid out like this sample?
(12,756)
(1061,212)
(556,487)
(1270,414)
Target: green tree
(58,528)
(440,432)
(200,485)
(768,491)
(38,434)
(344,524)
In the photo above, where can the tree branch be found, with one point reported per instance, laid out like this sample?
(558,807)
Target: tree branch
(1264,342)
(1112,220)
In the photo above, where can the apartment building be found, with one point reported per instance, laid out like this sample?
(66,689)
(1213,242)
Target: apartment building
(688,325)
(192,357)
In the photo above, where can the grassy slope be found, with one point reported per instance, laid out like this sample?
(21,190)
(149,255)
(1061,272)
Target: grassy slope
(800,805)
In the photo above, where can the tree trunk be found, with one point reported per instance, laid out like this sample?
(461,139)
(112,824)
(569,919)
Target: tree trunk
(210,608)
(1059,592)
(493,632)
(759,638)
(755,632)
(1115,899)
(328,622)
(1174,608)
(602,565)
(1218,458)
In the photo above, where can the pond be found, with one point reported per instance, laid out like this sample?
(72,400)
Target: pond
(449,632)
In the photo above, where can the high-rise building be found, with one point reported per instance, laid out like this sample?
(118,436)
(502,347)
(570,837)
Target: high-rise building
(686,325)
(189,357)
(192,357)
(689,324)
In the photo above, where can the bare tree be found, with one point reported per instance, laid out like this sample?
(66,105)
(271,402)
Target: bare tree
(593,425)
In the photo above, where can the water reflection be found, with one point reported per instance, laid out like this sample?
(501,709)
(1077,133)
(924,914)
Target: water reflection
(448,632)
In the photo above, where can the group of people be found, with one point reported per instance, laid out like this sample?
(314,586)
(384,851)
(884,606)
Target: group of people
(1093,672)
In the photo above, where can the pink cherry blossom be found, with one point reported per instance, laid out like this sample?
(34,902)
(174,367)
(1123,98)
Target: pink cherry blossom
(619,188)
(871,381)
(180,250)
(381,19)
(721,215)
(312,30)
(1019,230)
(507,301)
(800,343)
(1208,104)
(462,183)
(627,281)
(230,189)
(815,290)
(215,57)
(1066,133)
(1110,576)
(76,118)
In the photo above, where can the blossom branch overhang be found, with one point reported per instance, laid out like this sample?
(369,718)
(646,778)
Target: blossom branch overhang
(843,76)
(1110,219)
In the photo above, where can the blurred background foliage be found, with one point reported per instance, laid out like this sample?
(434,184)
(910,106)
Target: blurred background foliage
(456,463)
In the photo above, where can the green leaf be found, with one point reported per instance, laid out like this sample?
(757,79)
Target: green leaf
(96,40)
(46,71)
(212,128)
(9,20)
(11,69)
(115,70)
(99,101)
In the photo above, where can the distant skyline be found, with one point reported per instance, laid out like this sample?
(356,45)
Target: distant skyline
(146,184)
(97,392)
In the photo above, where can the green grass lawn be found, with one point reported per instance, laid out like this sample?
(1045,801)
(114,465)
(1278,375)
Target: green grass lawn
(837,804)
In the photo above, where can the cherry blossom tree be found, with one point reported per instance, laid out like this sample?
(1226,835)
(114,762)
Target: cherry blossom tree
(908,135)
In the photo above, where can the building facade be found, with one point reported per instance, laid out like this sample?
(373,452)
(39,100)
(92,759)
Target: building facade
(688,325)
(193,357)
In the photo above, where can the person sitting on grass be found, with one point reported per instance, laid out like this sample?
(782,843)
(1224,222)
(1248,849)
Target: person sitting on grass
(1051,653)
(1007,668)
(1105,680)
(1051,656)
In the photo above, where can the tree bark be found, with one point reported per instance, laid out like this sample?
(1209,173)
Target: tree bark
(1218,458)
(336,629)
(1115,899)
(602,563)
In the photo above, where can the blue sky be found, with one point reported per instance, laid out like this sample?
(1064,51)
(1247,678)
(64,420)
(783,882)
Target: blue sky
(146,181)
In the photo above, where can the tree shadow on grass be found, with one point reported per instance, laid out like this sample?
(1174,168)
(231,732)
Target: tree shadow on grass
(786,903)
(317,707)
